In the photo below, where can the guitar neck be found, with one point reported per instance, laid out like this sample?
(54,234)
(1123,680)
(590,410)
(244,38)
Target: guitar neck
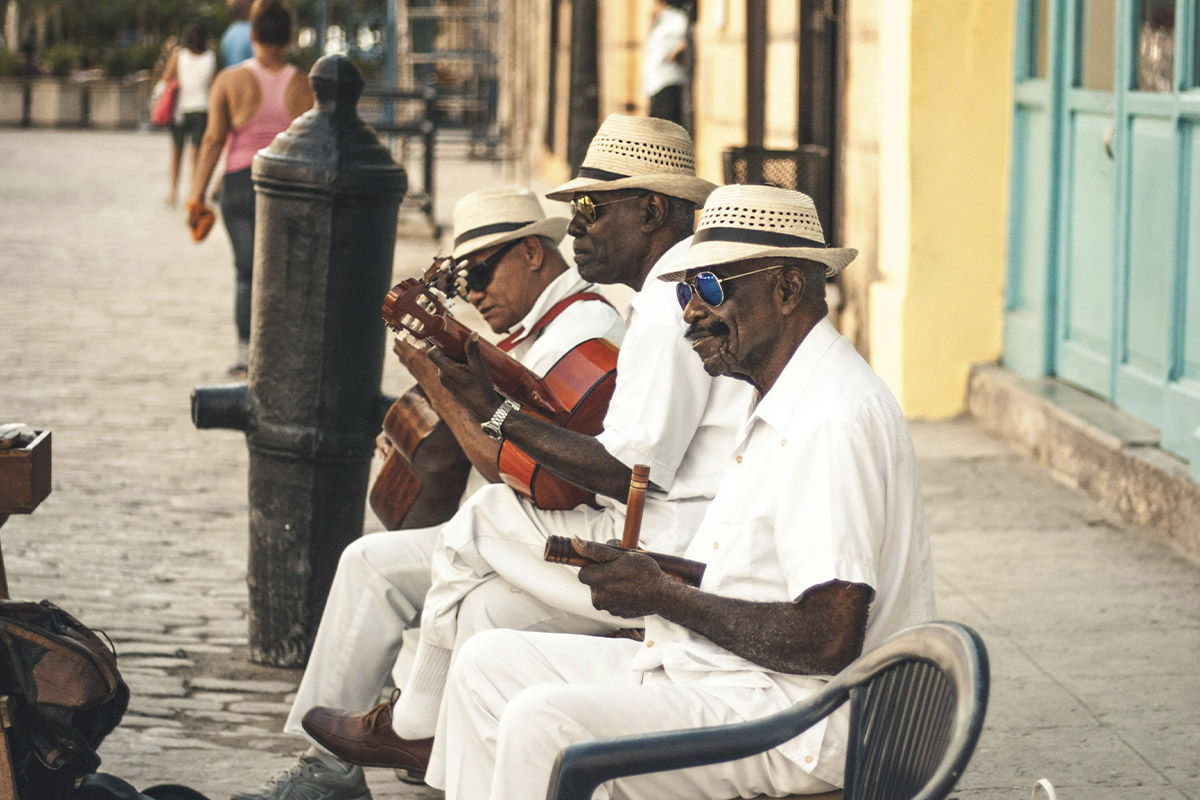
(511,378)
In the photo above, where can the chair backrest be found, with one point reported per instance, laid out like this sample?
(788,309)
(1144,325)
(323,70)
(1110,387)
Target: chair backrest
(917,704)
(916,711)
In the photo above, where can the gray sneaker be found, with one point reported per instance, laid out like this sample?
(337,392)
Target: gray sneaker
(310,778)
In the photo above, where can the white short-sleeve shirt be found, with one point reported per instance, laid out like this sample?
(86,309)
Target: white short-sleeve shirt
(667,34)
(667,412)
(821,485)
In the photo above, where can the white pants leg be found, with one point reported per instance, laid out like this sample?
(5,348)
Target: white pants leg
(498,533)
(515,700)
(377,592)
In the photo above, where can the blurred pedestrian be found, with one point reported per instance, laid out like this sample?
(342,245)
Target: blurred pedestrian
(663,72)
(235,42)
(251,103)
(193,66)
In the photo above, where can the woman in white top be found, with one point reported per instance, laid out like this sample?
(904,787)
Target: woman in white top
(193,65)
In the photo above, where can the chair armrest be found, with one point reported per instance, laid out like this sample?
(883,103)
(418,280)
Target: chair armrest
(581,767)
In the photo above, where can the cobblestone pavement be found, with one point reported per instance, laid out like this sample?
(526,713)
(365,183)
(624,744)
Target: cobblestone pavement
(111,314)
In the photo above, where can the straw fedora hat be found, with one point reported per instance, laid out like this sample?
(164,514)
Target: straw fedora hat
(494,216)
(638,153)
(744,222)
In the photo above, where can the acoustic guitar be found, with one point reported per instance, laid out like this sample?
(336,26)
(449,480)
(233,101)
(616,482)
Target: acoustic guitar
(425,473)
(573,394)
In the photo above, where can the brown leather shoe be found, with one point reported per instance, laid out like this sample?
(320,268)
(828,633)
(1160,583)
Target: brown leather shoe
(367,739)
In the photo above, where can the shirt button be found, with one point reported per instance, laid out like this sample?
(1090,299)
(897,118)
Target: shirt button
(716,545)
(783,443)
(650,643)
(738,459)
(808,759)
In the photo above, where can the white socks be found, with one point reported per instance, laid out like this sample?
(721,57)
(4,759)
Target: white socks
(416,711)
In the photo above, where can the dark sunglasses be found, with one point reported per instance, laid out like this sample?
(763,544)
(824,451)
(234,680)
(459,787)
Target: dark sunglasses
(479,276)
(708,286)
(585,207)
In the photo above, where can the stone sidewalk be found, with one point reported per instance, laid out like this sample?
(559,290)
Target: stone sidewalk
(111,314)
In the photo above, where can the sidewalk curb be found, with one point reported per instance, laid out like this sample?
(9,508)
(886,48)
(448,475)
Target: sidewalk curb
(1112,456)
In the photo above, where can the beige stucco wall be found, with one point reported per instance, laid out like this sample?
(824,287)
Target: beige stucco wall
(943,186)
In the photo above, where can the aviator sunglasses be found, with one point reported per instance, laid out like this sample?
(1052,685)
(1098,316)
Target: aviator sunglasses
(708,286)
(585,207)
(479,276)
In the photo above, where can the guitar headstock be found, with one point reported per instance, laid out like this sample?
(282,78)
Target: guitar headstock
(411,306)
(446,278)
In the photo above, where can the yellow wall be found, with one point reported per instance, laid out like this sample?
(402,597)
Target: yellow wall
(944,153)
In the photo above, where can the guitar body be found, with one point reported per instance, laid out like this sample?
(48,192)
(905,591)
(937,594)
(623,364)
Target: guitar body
(424,476)
(583,381)
(574,394)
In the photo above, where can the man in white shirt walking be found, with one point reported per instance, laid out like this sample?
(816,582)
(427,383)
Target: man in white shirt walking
(663,71)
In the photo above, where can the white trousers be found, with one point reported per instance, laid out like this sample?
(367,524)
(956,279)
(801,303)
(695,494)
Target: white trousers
(376,596)
(515,700)
(498,533)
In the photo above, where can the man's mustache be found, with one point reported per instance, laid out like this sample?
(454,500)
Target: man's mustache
(714,328)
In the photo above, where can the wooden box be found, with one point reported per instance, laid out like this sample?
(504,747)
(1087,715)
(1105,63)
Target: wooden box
(25,476)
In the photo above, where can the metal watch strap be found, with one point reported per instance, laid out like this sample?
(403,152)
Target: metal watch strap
(494,426)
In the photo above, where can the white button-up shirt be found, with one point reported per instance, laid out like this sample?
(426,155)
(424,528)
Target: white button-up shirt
(822,485)
(667,34)
(578,322)
(667,412)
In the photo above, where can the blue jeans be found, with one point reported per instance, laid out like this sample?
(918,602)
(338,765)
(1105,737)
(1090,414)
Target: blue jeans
(237,211)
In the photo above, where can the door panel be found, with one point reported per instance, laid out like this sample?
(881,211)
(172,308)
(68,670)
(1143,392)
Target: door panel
(1086,286)
(1153,207)
(1025,331)
(1181,409)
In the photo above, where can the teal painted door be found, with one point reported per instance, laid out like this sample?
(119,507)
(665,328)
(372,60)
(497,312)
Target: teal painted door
(1083,334)
(1104,242)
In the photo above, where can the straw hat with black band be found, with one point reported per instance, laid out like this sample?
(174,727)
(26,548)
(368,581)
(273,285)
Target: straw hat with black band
(740,223)
(490,217)
(638,153)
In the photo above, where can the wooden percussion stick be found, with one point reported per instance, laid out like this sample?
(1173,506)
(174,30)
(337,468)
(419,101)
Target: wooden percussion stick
(635,505)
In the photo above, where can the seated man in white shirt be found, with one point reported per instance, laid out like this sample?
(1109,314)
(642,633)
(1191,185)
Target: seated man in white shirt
(634,202)
(514,274)
(815,545)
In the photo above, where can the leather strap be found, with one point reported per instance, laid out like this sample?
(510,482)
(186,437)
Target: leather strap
(520,334)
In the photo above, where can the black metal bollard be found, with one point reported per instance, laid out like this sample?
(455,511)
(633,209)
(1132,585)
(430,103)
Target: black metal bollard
(327,198)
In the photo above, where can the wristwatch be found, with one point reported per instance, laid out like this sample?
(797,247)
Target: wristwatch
(494,425)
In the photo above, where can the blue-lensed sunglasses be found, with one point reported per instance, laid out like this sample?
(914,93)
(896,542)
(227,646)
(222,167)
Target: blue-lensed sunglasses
(708,286)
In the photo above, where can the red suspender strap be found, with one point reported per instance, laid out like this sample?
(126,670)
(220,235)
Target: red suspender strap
(520,334)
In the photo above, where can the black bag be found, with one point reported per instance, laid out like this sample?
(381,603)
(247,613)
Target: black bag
(100,786)
(66,692)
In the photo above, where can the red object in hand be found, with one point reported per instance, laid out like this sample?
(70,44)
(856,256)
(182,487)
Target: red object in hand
(164,108)
(200,219)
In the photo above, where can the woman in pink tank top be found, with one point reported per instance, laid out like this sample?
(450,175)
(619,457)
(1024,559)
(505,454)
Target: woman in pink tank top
(250,104)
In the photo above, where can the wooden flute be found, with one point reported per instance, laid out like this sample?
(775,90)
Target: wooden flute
(560,551)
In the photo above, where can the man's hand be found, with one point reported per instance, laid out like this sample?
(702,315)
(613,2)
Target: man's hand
(470,383)
(627,584)
(383,445)
(415,358)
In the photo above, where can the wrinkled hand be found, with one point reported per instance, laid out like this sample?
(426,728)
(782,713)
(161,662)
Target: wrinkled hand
(471,383)
(625,583)
(383,445)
